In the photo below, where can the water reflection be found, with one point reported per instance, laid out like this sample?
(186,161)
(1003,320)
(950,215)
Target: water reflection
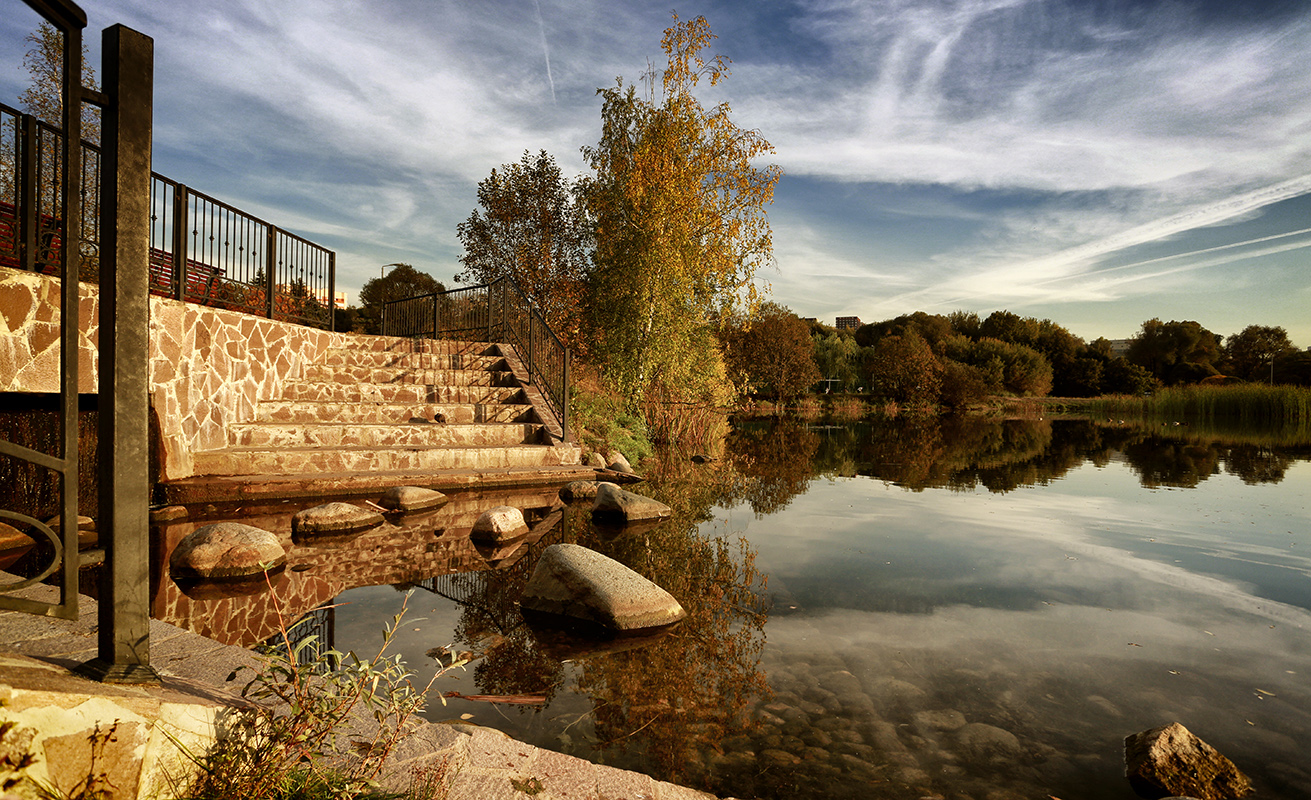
(661,705)
(966,453)
(912,608)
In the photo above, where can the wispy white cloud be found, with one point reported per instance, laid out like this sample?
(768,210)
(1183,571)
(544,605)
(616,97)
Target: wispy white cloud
(375,122)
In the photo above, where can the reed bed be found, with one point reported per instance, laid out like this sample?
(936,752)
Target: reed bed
(1248,404)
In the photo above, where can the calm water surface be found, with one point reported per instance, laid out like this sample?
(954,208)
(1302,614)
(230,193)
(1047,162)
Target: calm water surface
(966,610)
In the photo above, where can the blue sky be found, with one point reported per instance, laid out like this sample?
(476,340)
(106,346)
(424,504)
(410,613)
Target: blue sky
(1095,163)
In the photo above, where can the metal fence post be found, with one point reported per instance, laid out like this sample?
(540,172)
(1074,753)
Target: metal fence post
(124,603)
(332,291)
(270,267)
(564,401)
(181,204)
(27,216)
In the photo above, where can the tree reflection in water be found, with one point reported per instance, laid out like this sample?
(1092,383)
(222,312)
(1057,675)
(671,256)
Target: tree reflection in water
(669,706)
(966,453)
(674,699)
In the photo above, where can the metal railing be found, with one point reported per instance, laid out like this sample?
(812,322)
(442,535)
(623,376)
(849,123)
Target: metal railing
(202,250)
(24,154)
(497,312)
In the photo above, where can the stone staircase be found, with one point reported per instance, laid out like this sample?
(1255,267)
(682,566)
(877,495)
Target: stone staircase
(393,405)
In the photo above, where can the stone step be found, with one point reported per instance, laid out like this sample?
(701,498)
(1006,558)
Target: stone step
(264,434)
(389,358)
(401,393)
(307,411)
(400,344)
(316,373)
(309,460)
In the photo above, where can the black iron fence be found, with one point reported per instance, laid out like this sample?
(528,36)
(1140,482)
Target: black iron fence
(492,312)
(202,250)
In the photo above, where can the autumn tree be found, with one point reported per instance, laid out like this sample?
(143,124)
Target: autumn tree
(1175,352)
(532,228)
(402,281)
(1252,352)
(932,328)
(771,353)
(1003,366)
(44,98)
(678,207)
(905,369)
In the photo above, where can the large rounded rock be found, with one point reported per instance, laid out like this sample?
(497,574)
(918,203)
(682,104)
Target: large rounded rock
(226,550)
(12,539)
(334,518)
(575,582)
(615,505)
(497,525)
(412,498)
(1172,760)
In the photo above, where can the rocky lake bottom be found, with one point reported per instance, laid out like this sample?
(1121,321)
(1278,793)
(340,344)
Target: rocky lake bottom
(963,610)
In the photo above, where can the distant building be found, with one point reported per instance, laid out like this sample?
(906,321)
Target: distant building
(1120,347)
(848,323)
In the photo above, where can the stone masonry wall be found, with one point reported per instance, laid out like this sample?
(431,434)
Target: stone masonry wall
(208,368)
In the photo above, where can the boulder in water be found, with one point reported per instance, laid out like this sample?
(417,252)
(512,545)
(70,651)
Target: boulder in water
(575,582)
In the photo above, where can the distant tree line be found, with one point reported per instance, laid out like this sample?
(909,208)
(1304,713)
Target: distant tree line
(958,359)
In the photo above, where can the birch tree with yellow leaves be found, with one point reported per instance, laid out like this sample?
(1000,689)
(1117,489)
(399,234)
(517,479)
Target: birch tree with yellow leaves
(678,206)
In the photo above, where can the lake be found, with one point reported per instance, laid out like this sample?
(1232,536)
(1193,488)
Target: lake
(913,608)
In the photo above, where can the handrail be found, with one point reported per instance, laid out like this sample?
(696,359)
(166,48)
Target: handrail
(203,250)
(499,312)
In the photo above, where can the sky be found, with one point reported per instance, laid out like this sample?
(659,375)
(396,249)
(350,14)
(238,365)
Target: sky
(1093,163)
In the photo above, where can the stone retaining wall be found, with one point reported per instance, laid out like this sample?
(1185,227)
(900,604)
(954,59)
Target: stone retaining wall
(208,367)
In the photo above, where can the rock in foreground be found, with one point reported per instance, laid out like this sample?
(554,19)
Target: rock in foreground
(617,505)
(575,582)
(1172,760)
(226,550)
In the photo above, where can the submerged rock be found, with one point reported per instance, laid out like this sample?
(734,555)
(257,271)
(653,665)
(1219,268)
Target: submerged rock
(226,550)
(412,498)
(1172,760)
(500,524)
(989,744)
(575,582)
(617,505)
(334,518)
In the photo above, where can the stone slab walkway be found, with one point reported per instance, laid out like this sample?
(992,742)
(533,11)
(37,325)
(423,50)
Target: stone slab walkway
(244,488)
(64,711)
